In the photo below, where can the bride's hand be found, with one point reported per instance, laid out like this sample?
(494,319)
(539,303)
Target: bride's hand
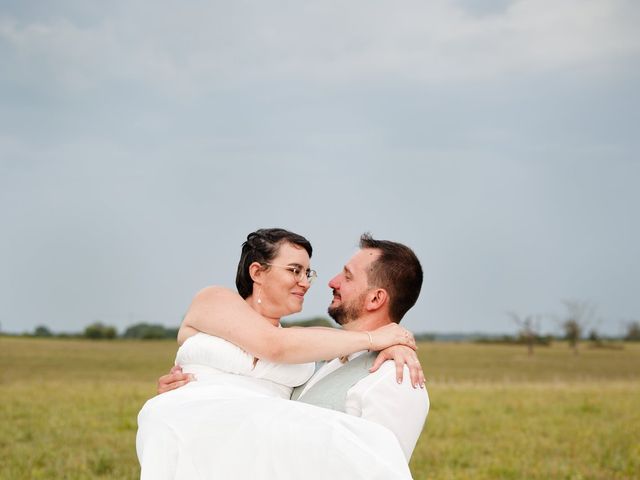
(174,379)
(402,356)
(392,334)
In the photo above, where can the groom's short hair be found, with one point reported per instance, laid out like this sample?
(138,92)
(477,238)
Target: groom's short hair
(398,271)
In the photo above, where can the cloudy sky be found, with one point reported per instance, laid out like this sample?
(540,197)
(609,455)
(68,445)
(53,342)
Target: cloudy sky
(140,141)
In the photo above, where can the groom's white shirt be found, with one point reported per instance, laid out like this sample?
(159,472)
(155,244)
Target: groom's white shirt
(379,398)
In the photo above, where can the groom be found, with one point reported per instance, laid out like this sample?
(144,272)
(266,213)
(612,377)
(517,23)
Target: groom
(377,286)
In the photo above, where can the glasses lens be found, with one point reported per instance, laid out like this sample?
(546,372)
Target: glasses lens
(311,275)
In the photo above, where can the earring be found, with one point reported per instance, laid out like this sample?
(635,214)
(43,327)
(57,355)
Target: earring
(259,292)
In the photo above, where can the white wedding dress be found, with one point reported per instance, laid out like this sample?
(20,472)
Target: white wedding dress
(237,422)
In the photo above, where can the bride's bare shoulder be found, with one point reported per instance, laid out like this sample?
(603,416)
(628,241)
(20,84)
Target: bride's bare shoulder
(202,302)
(215,292)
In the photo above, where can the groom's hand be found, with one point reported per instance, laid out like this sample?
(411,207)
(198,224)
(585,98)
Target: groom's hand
(402,356)
(174,379)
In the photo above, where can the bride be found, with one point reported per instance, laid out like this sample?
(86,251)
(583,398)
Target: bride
(236,421)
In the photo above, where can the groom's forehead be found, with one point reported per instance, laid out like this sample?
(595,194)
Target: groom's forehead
(362,259)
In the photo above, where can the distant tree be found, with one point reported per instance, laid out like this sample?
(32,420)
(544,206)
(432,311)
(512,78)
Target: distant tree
(311,322)
(633,331)
(595,338)
(42,331)
(171,333)
(100,331)
(425,337)
(572,333)
(578,316)
(529,332)
(93,331)
(146,331)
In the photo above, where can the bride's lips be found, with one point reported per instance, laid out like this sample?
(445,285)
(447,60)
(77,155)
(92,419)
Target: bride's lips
(300,295)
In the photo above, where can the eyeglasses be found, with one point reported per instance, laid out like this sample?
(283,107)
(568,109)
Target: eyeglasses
(298,272)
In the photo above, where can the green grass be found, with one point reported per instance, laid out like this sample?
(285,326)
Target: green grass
(69,410)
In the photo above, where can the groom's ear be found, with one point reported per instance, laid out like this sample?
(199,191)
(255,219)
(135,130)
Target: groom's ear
(255,272)
(376,299)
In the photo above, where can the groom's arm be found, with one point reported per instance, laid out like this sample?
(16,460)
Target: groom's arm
(400,408)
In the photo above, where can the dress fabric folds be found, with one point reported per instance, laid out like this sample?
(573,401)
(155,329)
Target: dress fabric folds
(237,422)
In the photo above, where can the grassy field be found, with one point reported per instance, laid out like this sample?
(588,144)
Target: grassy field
(69,409)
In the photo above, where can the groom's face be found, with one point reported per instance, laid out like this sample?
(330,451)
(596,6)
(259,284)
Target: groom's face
(350,287)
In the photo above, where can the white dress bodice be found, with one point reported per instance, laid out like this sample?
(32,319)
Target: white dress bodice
(215,360)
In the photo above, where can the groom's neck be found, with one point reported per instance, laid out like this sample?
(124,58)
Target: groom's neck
(367,323)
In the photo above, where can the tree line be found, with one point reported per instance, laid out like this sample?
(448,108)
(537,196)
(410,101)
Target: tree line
(579,322)
(101,331)
(145,331)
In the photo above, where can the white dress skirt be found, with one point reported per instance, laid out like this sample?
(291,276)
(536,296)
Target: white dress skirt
(237,422)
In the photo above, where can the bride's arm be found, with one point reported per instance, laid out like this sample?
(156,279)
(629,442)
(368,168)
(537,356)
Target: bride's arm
(223,313)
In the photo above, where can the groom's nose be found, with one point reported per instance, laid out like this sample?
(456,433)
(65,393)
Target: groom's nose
(334,283)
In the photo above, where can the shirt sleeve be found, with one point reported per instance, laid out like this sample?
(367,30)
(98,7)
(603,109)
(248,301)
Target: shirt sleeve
(398,407)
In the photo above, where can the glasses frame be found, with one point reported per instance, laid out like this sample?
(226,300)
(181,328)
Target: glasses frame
(309,274)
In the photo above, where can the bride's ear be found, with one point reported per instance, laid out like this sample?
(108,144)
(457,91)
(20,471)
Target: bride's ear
(255,272)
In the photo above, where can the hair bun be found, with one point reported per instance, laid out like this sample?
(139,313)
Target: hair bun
(254,239)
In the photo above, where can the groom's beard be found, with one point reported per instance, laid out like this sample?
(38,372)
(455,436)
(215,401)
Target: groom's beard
(345,313)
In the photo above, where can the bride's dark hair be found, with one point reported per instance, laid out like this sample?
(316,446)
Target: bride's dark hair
(262,246)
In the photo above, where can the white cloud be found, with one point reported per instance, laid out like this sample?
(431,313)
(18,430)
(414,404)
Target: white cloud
(189,48)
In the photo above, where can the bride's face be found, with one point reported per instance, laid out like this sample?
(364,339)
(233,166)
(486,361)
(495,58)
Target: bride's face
(280,292)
